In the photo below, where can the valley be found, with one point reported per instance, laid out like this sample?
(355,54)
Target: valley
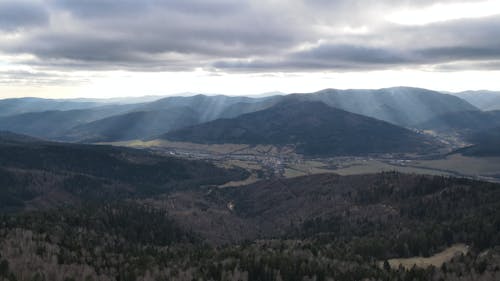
(270,161)
(389,184)
(304,140)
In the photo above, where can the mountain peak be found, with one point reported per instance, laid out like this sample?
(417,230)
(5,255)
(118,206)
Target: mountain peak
(312,126)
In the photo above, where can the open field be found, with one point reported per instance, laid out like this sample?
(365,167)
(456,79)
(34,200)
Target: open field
(436,260)
(253,178)
(213,148)
(464,165)
(218,149)
(284,162)
(486,168)
(303,168)
(369,166)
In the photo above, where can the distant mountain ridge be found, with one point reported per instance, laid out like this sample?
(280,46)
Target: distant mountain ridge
(315,129)
(207,108)
(463,122)
(141,120)
(55,124)
(26,105)
(7,137)
(402,106)
(484,100)
(133,125)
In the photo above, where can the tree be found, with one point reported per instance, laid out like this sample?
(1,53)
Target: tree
(4,268)
(387,266)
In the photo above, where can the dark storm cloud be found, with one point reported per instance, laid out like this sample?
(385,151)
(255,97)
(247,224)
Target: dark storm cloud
(155,35)
(352,53)
(461,53)
(397,46)
(98,8)
(18,14)
(326,56)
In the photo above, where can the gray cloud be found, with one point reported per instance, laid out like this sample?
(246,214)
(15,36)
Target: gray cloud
(100,8)
(352,53)
(324,57)
(474,65)
(255,36)
(18,14)
(156,34)
(458,42)
(461,53)
(39,78)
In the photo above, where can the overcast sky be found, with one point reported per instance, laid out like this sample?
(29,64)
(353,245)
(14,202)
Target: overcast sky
(106,48)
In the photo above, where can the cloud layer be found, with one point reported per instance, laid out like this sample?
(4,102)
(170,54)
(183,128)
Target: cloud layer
(241,36)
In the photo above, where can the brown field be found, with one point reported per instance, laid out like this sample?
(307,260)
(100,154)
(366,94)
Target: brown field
(251,179)
(247,165)
(486,168)
(470,166)
(213,148)
(306,168)
(376,166)
(436,260)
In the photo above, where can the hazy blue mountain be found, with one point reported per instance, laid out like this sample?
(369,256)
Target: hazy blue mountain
(54,124)
(241,108)
(24,105)
(484,100)
(313,127)
(402,106)
(16,106)
(463,122)
(134,125)
(268,94)
(156,117)
(122,100)
(7,137)
(207,108)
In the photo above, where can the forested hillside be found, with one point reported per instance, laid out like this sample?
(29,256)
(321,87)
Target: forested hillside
(312,127)
(326,227)
(38,174)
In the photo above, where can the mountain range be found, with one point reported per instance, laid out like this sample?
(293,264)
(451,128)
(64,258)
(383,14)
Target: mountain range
(484,100)
(115,120)
(74,211)
(313,127)
(16,106)
(133,125)
(401,106)
(463,122)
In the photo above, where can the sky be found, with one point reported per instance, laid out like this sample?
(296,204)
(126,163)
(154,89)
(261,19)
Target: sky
(111,48)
